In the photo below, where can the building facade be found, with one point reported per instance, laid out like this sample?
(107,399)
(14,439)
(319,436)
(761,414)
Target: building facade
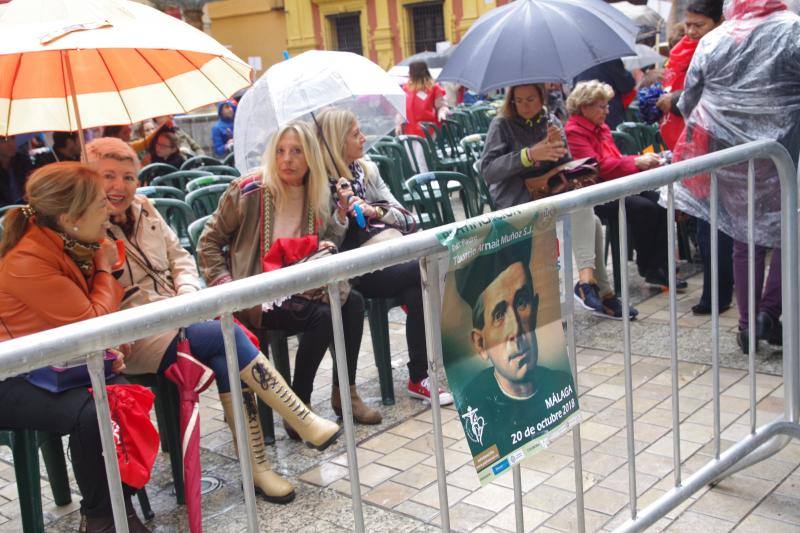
(385,31)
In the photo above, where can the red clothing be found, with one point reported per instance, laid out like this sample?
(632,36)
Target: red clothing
(680,57)
(421,107)
(585,139)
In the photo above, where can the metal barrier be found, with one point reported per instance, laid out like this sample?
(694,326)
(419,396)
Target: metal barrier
(93,336)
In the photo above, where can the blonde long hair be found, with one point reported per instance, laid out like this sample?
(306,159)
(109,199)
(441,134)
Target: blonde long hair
(53,190)
(334,125)
(316,181)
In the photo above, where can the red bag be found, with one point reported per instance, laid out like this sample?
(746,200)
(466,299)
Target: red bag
(135,436)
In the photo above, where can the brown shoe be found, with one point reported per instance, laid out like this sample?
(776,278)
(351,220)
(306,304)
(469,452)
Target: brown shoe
(362,413)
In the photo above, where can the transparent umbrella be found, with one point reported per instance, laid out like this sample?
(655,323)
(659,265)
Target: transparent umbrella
(303,85)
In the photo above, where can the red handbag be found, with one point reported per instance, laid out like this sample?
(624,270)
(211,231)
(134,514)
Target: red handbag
(135,437)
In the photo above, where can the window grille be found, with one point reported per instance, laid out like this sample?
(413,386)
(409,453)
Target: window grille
(347,32)
(427,25)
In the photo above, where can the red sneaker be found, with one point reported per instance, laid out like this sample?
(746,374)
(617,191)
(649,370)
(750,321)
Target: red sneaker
(421,390)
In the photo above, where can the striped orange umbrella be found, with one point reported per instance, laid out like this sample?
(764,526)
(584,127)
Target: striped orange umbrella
(116,61)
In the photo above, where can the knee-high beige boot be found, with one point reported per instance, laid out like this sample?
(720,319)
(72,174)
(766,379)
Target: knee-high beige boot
(269,385)
(272,487)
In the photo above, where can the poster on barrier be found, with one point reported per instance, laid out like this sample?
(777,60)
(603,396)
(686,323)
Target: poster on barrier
(503,343)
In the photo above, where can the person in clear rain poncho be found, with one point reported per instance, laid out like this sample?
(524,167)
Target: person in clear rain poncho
(744,85)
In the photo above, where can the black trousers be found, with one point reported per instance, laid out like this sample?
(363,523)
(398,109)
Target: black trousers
(72,413)
(725,262)
(647,223)
(403,283)
(313,320)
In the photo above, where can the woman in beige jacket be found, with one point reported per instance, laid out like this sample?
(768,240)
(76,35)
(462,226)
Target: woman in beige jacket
(157,267)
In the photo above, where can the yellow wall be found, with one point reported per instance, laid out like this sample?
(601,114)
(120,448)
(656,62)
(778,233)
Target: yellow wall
(250,28)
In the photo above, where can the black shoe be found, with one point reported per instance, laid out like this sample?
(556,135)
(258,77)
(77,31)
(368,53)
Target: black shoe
(658,277)
(703,310)
(769,329)
(743,340)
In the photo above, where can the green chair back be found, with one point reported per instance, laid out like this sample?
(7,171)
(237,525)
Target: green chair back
(179,179)
(222,170)
(161,191)
(178,215)
(204,200)
(473,151)
(229,160)
(147,173)
(200,161)
(419,153)
(395,151)
(432,205)
(392,174)
(205,181)
(626,143)
(646,135)
(196,228)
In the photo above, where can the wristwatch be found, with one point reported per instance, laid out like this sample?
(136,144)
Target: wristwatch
(380,212)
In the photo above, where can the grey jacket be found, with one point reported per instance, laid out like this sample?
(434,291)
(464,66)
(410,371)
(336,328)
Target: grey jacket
(501,162)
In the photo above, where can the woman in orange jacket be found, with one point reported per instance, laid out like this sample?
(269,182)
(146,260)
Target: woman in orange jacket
(55,269)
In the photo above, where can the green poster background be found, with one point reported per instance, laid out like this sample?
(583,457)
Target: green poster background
(509,429)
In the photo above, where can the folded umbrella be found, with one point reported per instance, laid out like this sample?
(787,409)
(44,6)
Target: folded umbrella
(191,377)
(300,86)
(536,41)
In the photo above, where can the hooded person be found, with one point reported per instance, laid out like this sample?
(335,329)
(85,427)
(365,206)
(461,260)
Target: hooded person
(510,393)
(744,85)
(222,131)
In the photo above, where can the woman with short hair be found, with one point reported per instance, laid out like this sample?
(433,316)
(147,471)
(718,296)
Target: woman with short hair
(589,136)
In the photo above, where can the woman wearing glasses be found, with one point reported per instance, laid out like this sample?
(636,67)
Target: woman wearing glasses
(589,136)
(164,148)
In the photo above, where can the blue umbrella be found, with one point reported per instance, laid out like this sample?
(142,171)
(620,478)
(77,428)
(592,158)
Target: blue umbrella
(535,41)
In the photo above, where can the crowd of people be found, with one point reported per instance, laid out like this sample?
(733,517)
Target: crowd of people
(318,191)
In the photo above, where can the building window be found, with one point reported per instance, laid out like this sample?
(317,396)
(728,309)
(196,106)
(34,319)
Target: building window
(427,23)
(346,29)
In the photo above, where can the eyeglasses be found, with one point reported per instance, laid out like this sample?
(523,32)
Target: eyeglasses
(598,105)
(165,146)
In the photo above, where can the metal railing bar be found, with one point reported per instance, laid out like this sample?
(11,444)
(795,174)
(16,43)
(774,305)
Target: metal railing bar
(431,304)
(714,229)
(673,336)
(752,340)
(518,514)
(240,426)
(74,340)
(626,345)
(566,258)
(347,407)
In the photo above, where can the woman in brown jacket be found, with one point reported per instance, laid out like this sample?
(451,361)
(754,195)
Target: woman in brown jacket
(156,267)
(289,200)
(54,270)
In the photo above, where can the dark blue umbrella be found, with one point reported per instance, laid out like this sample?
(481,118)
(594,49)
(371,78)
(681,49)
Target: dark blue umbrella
(432,59)
(535,41)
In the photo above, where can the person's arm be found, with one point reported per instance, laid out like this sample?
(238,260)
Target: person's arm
(610,167)
(217,234)
(218,140)
(378,191)
(498,162)
(674,101)
(692,87)
(42,287)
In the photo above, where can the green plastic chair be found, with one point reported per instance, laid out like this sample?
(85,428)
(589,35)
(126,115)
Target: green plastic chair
(392,174)
(626,143)
(25,445)
(394,150)
(205,181)
(179,179)
(222,170)
(473,150)
(178,215)
(229,160)
(434,208)
(147,173)
(205,200)
(200,161)
(411,143)
(161,191)
(196,228)
(645,135)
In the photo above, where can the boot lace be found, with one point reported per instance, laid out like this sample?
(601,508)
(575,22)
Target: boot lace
(268,381)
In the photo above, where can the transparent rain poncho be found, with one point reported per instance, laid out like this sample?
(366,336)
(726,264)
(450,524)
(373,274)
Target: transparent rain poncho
(743,85)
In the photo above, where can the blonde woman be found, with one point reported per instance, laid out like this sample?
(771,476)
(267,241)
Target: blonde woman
(356,181)
(589,136)
(288,199)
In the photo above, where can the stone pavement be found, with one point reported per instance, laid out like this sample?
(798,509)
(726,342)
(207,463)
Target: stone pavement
(397,466)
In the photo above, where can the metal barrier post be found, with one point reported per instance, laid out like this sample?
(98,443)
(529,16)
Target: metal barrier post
(347,408)
(97,375)
(242,442)
(566,258)
(714,229)
(751,293)
(518,513)
(673,335)
(626,335)
(431,303)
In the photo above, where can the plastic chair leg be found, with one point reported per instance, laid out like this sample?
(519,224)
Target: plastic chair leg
(144,503)
(56,466)
(161,420)
(378,316)
(26,468)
